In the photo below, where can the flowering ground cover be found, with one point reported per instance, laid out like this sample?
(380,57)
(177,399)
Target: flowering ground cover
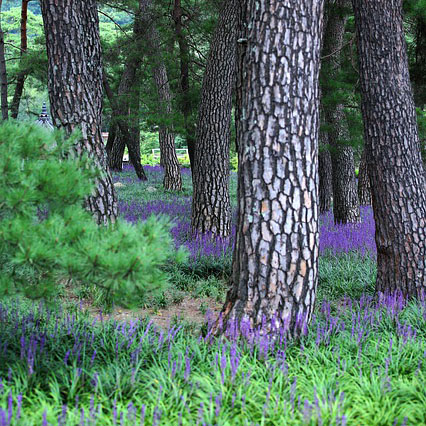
(361,362)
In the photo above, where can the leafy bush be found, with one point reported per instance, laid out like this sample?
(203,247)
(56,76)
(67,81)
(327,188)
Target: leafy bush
(234,162)
(46,236)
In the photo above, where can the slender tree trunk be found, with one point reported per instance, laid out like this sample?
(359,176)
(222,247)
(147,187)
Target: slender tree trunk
(345,196)
(120,133)
(275,265)
(75,87)
(211,208)
(3,75)
(364,190)
(172,177)
(22,75)
(392,148)
(325,178)
(325,169)
(186,101)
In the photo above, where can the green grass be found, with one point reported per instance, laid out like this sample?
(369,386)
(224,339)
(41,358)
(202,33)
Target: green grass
(371,382)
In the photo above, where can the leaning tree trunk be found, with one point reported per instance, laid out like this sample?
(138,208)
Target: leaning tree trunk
(345,196)
(211,208)
(392,148)
(275,265)
(22,75)
(186,100)
(75,87)
(172,177)
(364,190)
(3,75)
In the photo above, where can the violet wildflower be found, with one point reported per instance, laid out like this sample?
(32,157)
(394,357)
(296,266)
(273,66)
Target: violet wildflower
(18,411)
(44,423)
(143,408)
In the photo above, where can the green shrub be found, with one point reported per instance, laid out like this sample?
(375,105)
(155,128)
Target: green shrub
(46,236)
(234,162)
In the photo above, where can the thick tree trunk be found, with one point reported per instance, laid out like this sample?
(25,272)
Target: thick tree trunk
(275,265)
(172,177)
(345,196)
(3,75)
(211,208)
(186,101)
(75,87)
(392,148)
(22,75)
(364,190)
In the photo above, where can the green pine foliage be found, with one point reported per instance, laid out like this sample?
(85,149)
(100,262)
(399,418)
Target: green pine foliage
(46,235)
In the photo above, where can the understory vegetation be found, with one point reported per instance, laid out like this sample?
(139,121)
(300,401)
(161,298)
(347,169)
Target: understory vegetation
(361,361)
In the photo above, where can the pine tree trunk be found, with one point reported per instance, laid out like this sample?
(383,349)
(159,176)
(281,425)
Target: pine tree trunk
(128,89)
(392,148)
(3,75)
(325,179)
(275,265)
(172,177)
(211,208)
(22,75)
(186,101)
(364,190)
(325,170)
(345,196)
(75,87)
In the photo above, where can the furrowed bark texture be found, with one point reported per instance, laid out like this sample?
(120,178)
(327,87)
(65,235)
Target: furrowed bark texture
(275,265)
(172,177)
(345,196)
(186,103)
(3,76)
(75,87)
(22,75)
(364,190)
(392,148)
(211,208)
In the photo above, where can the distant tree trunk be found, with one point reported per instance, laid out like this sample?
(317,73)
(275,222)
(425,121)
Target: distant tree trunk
(392,148)
(275,264)
(75,87)
(325,178)
(120,120)
(325,170)
(186,101)
(345,196)
(22,75)
(3,75)
(211,208)
(172,177)
(364,190)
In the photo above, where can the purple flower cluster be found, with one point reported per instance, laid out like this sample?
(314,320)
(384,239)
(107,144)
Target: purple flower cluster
(334,239)
(358,324)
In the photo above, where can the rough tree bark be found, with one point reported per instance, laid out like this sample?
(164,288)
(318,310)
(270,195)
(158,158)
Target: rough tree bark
(75,87)
(22,75)
(211,208)
(364,190)
(186,100)
(172,177)
(392,148)
(3,75)
(275,264)
(345,196)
